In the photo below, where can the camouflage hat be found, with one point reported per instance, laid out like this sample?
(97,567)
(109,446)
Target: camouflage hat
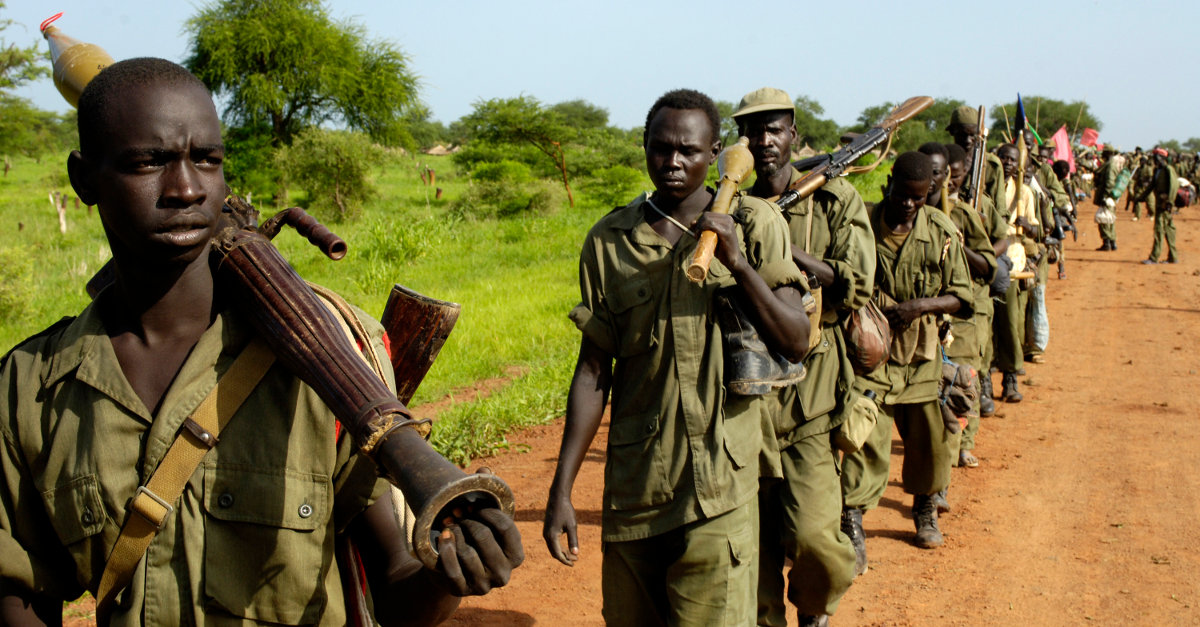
(963,115)
(765,99)
(1049,143)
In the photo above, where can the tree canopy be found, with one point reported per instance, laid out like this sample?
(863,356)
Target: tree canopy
(1045,115)
(24,128)
(288,64)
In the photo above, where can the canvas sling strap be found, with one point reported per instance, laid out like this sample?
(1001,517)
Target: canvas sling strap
(152,503)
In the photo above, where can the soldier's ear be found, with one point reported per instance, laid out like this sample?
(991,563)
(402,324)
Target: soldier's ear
(80,171)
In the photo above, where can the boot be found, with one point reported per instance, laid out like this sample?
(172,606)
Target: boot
(924,512)
(1009,393)
(852,527)
(753,369)
(987,406)
(1105,245)
(939,499)
(1112,244)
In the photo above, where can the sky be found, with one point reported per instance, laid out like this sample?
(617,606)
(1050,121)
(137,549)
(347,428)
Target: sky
(1132,62)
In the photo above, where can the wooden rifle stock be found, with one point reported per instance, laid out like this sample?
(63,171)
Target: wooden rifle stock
(978,162)
(733,164)
(837,162)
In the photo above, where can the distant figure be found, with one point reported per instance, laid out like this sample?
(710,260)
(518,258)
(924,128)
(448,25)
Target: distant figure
(1160,201)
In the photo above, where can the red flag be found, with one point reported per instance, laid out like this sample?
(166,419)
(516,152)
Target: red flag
(1062,147)
(1090,135)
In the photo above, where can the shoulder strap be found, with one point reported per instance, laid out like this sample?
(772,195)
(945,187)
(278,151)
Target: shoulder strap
(152,503)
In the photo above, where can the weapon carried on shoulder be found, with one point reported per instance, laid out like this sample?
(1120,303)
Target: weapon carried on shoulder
(838,163)
(978,164)
(733,165)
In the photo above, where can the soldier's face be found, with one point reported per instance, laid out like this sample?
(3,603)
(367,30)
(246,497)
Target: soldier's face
(964,135)
(906,198)
(958,174)
(680,146)
(771,135)
(156,174)
(940,172)
(1008,158)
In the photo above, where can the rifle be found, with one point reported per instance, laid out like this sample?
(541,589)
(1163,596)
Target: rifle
(978,164)
(838,163)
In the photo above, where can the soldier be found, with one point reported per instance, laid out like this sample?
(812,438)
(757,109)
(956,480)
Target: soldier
(1009,322)
(1106,183)
(921,274)
(1037,322)
(970,334)
(964,128)
(680,515)
(1160,201)
(1143,171)
(800,500)
(91,405)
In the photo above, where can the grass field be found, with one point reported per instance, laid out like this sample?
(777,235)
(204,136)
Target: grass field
(516,279)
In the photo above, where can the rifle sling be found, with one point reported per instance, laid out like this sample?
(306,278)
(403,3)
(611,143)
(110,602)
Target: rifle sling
(152,503)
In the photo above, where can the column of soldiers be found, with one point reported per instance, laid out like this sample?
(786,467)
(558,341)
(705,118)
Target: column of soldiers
(699,523)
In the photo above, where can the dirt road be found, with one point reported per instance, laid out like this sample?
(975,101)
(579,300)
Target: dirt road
(1083,510)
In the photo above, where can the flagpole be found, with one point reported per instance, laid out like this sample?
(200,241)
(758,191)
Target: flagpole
(1008,129)
(1037,115)
(1077,117)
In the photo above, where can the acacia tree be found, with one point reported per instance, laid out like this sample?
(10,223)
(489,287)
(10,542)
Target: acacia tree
(288,64)
(523,120)
(24,128)
(1046,115)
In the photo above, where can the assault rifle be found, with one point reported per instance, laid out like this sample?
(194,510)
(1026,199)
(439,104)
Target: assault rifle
(838,163)
(978,164)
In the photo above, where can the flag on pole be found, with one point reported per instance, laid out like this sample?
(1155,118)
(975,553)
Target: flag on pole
(1062,147)
(1019,123)
(1090,135)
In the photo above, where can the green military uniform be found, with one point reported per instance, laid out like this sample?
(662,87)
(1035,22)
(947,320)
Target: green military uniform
(251,538)
(993,180)
(1106,182)
(1160,201)
(679,517)
(800,515)
(929,263)
(1143,173)
(1036,338)
(972,334)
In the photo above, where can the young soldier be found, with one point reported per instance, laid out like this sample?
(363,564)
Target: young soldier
(800,501)
(90,406)
(970,334)
(680,514)
(964,128)
(1160,202)
(1009,323)
(921,273)
(1105,181)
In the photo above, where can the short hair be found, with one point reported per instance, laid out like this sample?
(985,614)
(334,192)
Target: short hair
(687,99)
(1061,168)
(934,148)
(912,166)
(1006,147)
(955,154)
(109,88)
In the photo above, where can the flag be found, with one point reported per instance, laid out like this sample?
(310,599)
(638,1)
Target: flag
(1090,135)
(1020,121)
(1062,147)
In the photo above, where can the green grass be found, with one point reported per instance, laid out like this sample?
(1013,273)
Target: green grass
(515,278)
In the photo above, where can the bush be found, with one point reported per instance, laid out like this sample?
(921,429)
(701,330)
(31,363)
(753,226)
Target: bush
(250,167)
(334,166)
(508,171)
(615,186)
(505,198)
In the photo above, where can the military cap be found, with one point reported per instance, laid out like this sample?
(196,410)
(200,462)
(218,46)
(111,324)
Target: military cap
(1109,149)
(1160,152)
(1049,143)
(764,99)
(963,115)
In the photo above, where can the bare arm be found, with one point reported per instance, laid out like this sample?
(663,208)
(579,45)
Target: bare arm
(903,314)
(979,265)
(813,266)
(780,310)
(590,386)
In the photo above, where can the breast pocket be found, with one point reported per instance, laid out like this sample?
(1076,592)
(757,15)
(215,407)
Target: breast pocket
(633,305)
(265,543)
(77,514)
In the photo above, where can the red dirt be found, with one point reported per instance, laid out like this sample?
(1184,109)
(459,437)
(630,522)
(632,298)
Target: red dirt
(1082,510)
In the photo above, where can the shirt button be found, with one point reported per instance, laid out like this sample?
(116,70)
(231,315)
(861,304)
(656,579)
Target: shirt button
(87,517)
(306,510)
(225,500)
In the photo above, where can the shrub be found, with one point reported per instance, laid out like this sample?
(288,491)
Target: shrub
(615,186)
(504,198)
(334,166)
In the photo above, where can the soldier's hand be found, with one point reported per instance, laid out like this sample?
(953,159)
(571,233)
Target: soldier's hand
(728,252)
(560,519)
(902,315)
(478,552)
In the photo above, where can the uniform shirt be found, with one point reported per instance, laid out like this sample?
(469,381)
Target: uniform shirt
(1163,188)
(674,454)
(1106,181)
(841,237)
(969,332)
(251,537)
(930,263)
